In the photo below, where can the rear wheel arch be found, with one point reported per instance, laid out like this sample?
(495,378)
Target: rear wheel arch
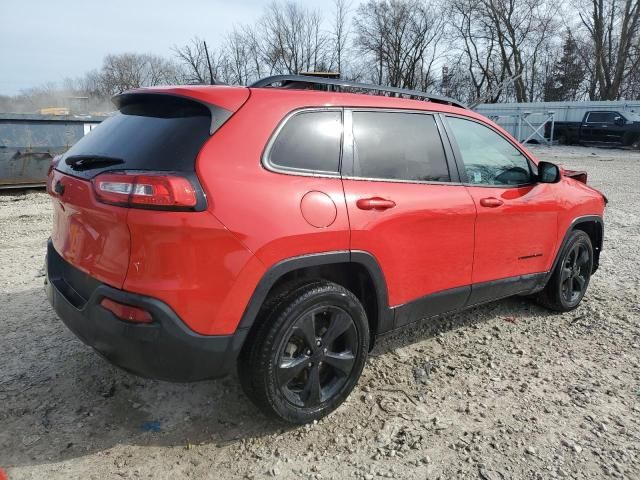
(357,271)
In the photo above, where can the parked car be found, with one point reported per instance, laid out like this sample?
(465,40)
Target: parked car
(599,127)
(284,230)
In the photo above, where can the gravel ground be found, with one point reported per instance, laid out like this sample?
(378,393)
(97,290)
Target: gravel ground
(507,390)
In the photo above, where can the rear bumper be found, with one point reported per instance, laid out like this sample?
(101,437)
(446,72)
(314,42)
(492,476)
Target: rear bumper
(166,349)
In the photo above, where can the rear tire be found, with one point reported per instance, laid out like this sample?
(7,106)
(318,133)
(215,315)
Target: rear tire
(571,276)
(307,353)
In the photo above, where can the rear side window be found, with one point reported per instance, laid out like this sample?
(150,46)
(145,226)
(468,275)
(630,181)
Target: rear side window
(149,132)
(309,141)
(489,158)
(398,146)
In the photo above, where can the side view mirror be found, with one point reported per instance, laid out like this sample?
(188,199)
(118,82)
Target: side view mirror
(548,172)
(618,121)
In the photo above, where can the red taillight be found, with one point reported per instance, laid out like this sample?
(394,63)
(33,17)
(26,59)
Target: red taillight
(150,190)
(125,312)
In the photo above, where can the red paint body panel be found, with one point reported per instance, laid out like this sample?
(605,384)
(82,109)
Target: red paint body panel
(424,244)
(193,263)
(263,208)
(92,236)
(576,200)
(206,265)
(517,237)
(227,97)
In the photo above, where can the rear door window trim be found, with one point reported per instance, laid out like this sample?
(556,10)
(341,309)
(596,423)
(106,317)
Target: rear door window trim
(268,165)
(347,158)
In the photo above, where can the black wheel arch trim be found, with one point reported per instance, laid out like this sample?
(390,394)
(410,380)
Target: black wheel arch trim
(597,245)
(275,272)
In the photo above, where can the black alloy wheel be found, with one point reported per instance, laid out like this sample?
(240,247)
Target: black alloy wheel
(569,281)
(307,352)
(317,357)
(575,273)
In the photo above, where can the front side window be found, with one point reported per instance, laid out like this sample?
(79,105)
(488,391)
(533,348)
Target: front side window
(488,158)
(398,146)
(309,141)
(601,117)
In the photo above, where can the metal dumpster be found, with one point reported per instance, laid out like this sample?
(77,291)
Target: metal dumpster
(28,142)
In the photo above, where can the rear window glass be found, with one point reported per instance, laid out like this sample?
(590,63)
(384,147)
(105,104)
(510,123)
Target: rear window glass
(309,141)
(152,132)
(398,146)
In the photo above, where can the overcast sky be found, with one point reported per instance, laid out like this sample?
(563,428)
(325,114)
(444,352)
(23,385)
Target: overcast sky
(48,40)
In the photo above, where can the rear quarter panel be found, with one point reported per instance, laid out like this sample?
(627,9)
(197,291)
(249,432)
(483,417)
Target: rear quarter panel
(260,207)
(193,263)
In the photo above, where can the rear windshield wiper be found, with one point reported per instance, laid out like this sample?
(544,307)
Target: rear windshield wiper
(87,162)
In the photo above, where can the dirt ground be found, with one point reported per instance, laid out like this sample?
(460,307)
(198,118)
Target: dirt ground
(504,391)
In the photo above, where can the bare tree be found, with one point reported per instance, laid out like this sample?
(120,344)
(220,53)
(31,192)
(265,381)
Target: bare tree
(339,33)
(504,39)
(193,60)
(614,29)
(477,42)
(494,50)
(631,85)
(132,70)
(292,38)
(401,38)
(238,57)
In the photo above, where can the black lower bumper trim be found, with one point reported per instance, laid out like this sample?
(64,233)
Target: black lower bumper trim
(166,349)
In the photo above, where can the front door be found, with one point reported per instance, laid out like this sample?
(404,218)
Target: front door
(404,209)
(516,226)
(601,127)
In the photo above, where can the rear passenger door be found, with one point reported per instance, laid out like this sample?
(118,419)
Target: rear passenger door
(407,208)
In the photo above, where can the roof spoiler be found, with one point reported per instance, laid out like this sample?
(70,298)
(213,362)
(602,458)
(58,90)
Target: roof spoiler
(218,114)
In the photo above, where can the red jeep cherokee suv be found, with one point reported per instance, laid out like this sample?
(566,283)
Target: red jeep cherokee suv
(282,227)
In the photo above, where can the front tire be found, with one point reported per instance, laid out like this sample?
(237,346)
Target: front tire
(307,352)
(571,276)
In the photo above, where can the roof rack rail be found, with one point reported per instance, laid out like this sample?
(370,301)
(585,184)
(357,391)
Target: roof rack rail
(341,84)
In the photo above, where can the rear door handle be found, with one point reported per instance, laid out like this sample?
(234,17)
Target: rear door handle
(491,202)
(375,203)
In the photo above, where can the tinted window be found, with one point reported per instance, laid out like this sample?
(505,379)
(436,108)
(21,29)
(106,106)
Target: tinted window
(152,132)
(489,159)
(601,117)
(309,141)
(402,146)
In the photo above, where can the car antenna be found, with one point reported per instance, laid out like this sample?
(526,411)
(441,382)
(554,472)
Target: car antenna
(206,51)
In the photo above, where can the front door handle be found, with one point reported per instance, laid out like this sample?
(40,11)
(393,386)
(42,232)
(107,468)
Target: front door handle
(375,203)
(491,202)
